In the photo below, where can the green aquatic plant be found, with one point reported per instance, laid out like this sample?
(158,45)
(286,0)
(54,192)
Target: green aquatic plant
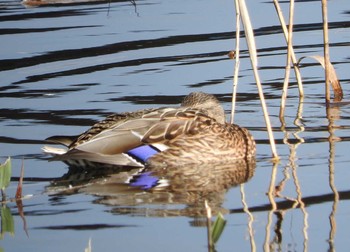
(218,227)
(7,222)
(214,229)
(5,176)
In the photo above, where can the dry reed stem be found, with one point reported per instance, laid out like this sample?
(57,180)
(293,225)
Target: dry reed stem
(254,61)
(294,59)
(289,53)
(332,76)
(236,71)
(20,183)
(326,47)
(209,215)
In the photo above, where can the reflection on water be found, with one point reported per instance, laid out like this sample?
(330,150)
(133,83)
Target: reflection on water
(189,186)
(65,66)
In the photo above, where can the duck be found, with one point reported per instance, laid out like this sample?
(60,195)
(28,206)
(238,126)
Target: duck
(193,133)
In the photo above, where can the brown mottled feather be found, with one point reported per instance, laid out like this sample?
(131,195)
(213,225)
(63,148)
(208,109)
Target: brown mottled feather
(213,142)
(196,132)
(110,121)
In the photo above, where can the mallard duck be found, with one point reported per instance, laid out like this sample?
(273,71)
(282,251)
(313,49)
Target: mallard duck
(195,132)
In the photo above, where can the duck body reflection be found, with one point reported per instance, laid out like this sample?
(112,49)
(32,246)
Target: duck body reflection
(174,191)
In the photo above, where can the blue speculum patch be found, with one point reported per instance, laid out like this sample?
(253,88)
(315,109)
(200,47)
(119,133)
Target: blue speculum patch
(143,152)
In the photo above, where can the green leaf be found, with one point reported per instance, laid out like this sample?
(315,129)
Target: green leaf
(7,222)
(218,227)
(5,174)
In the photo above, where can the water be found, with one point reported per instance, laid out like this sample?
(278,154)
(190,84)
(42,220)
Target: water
(63,67)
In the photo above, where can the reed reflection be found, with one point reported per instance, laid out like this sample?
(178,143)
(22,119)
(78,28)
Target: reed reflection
(290,170)
(250,219)
(276,191)
(333,114)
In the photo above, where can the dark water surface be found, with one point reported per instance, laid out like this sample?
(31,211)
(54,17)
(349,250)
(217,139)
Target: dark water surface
(65,66)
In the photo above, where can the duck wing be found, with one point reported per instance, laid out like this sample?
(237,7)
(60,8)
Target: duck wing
(118,139)
(64,140)
(174,124)
(109,122)
(156,127)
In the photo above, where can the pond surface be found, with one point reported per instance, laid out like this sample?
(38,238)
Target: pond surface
(65,66)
